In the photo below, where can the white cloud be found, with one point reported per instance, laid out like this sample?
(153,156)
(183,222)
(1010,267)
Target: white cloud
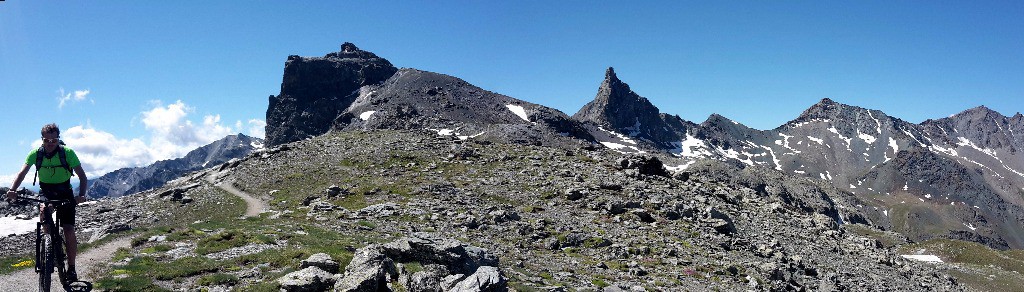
(102,152)
(7,179)
(78,95)
(257,128)
(171,134)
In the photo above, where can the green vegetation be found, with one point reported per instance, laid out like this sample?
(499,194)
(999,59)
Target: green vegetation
(217,279)
(11,264)
(969,253)
(127,284)
(986,269)
(227,239)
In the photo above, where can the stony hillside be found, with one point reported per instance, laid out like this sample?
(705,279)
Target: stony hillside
(578,218)
(548,216)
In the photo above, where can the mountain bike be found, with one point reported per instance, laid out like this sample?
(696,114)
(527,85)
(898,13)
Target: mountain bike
(49,247)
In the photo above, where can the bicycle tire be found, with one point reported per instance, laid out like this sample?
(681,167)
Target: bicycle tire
(47,265)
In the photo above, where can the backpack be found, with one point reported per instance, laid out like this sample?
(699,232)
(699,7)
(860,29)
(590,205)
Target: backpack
(40,153)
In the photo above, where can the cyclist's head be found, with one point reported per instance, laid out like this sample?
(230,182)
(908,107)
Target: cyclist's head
(50,128)
(51,137)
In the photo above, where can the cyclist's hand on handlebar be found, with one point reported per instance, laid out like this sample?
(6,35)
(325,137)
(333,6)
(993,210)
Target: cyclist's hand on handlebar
(12,195)
(80,199)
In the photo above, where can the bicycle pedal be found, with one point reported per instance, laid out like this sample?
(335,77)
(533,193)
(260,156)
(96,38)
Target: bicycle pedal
(80,286)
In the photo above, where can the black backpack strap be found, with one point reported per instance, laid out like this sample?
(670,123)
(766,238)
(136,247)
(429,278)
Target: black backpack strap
(39,163)
(64,160)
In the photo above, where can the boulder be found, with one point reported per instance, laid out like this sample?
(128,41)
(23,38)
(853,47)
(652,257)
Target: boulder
(322,261)
(369,270)
(308,279)
(486,278)
(446,264)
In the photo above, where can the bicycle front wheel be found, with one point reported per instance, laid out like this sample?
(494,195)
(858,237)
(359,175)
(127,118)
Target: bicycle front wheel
(46,264)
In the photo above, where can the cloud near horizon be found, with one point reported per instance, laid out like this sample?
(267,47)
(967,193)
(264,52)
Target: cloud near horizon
(171,134)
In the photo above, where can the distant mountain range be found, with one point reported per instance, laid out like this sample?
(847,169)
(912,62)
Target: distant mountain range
(959,177)
(136,179)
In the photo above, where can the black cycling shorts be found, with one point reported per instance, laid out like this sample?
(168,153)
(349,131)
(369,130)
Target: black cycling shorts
(65,213)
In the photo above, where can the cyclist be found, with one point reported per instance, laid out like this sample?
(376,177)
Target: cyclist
(54,171)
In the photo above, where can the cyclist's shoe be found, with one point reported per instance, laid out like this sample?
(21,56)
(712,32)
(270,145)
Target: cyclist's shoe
(72,275)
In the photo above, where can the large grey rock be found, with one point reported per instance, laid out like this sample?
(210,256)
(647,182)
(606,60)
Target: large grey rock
(486,278)
(309,279)
(322,261)
(369,270)
(446,263)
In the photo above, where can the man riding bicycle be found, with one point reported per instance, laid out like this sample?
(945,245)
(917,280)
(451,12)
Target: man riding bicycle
(54,165)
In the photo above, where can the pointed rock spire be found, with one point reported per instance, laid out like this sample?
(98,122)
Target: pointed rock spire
(610,74)
(620,109)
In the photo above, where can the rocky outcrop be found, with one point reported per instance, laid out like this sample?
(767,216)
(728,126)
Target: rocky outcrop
(314,91)
(617,108)
(441,265)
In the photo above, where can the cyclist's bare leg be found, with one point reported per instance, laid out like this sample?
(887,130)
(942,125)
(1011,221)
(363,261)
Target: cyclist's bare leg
(71,242)
(42,208)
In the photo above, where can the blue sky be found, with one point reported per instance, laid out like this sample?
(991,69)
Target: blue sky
(143,81)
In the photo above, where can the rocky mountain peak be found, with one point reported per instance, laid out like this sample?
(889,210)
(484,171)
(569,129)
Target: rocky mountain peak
(348,47)
(618,108)
(350,51)
(824,109)
(314,91)
(609,75)
(717,119)
(979,113)
(615,88)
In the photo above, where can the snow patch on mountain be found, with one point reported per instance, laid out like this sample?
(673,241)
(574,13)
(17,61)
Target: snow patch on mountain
(785,143)
(366,115)
(519,111)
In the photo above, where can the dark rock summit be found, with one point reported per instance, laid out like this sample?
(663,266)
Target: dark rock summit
(357,90)
(314,91)
(618,108)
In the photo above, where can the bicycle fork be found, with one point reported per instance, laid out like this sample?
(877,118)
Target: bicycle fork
(39,244)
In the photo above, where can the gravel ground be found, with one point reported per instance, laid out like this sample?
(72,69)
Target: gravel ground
(89,263)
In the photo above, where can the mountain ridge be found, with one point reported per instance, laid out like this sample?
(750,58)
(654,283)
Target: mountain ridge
(131,180)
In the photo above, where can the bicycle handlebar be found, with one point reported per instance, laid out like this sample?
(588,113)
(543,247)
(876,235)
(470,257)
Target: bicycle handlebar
(43,200)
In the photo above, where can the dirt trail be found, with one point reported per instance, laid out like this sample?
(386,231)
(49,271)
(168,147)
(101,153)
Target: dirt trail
(89,261)
(88,264)
(253,206)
